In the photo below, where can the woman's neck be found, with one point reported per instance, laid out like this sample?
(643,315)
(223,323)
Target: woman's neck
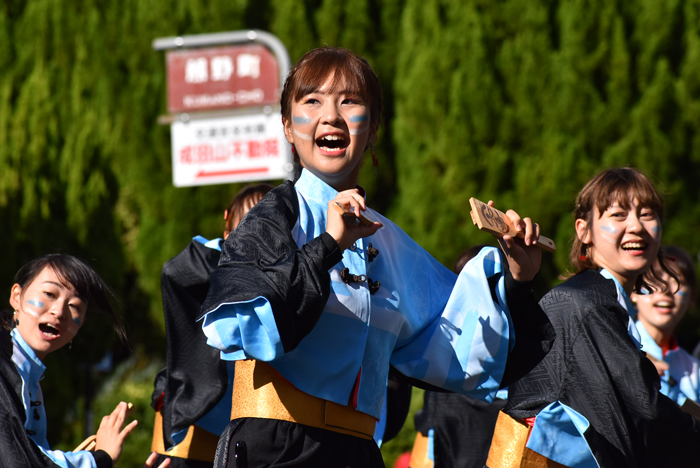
(660,337)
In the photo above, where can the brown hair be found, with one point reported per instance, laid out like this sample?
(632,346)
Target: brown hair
(682,262)
(73,271)
(350,71)
(247,198)
(622,186)
(467,255)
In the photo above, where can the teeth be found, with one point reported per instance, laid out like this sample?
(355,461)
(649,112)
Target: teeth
(332,137)
(663,304)
(49,325)
(633,245)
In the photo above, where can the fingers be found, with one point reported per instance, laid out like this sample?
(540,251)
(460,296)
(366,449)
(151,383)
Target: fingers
(127,430)
(150,460)
(353,200)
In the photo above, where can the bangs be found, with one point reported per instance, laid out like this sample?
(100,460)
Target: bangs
(347,77)
(623,186)
(349,74)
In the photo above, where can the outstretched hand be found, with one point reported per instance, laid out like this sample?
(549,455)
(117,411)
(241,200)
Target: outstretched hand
(110,435)
(346,234)
(523,255)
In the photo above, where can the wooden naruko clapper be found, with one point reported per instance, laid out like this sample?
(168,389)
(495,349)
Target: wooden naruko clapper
(489,219)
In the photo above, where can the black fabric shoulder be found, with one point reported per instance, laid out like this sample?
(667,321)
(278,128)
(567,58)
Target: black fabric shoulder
(195,378)
(261,259)
(17,448)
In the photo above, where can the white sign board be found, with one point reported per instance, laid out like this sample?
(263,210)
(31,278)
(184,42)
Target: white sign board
(230,149)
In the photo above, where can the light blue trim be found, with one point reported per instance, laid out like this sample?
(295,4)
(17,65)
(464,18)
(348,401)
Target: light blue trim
(558,434)
(381,424)
(214,244)
(243,330)
(683,369)
(31,371)
(431,444)
(628,305)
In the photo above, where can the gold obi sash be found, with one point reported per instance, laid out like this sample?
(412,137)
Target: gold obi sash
(419,454)
(198,444)
(259,391)
(508,448)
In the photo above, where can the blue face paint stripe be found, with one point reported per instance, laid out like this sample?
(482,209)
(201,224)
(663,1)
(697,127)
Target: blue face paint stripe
(35,303)
(609,229)
(358,118)
(77,320)
(302,120)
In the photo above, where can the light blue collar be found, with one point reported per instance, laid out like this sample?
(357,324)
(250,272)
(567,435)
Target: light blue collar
(622,296)
(28,361)
(314,188)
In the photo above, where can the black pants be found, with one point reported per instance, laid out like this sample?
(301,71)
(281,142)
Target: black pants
(257,443)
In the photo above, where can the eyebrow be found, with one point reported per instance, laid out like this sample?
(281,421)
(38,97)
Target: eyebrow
(342,91)
(64,287)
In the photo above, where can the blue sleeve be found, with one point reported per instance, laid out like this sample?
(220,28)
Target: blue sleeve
(82,459)
(464,345)
(244,330)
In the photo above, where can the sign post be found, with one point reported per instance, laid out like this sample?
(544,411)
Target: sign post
(223,104)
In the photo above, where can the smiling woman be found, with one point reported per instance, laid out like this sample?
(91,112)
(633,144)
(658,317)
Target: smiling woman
(315,308)
(50,298)
(595,400)
(660,312)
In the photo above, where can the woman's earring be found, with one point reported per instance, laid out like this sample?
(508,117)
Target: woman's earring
(375,161)
(70,345)
(14,316)
(584,253)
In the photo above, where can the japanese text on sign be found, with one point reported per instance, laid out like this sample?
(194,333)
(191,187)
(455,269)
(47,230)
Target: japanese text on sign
(230,149)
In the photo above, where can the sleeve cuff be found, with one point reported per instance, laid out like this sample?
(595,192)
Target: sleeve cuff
(331,251)
(102,459)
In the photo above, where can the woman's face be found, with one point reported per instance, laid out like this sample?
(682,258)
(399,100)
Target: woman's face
(49,312)
(330,131)
(664,310)
(623,241)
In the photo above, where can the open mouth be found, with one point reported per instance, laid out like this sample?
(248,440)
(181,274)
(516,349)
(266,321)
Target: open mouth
(49,330)
(664,305)
(332,143)
(634,246)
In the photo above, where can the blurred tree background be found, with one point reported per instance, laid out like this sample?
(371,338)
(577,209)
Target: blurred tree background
(519,101)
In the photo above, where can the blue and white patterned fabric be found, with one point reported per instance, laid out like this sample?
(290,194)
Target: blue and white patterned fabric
(31,370)
(426,321)
(558,431)
(683,369)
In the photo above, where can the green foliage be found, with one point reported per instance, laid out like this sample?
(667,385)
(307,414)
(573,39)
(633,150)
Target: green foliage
(511,100)
(526,101)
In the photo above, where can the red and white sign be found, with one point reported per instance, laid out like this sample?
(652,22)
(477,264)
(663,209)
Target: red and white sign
(230,149)
(222,78)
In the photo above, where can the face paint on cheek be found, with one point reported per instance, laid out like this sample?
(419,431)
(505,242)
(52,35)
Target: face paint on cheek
(608,229)
(362,128)
(31,312)
(75,325)
(302,120)
(656,231)
(303,136)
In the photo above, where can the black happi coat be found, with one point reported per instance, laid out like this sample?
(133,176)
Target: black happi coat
(195,378)
(595,368)
(17,449)
(262,259)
